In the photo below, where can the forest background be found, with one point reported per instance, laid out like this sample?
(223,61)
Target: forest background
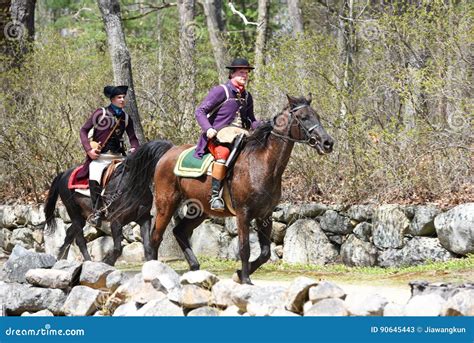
(391,80)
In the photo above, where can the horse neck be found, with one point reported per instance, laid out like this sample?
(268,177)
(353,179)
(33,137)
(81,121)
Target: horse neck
(278,154)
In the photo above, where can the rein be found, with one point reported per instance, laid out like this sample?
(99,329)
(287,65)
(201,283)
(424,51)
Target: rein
(311,141)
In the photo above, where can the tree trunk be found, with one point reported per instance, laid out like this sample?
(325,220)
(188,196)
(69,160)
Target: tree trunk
(260,42)
(294,11)
(187,46)
(121,61)
(212,9)
(159,54)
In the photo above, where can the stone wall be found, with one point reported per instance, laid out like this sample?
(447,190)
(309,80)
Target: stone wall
(359,235)
(36,284)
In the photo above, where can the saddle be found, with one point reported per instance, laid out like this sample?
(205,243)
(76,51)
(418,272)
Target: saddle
(82,185)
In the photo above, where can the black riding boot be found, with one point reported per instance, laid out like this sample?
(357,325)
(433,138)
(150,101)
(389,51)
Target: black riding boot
(95,219)
(217,204)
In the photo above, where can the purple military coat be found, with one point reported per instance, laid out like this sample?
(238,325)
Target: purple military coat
(102,129)
(225,115)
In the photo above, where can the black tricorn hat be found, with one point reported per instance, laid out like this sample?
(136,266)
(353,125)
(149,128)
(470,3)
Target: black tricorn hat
(240,63)
(111,91)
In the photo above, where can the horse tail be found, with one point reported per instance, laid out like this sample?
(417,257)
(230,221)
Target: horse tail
(51,203)
(140,168)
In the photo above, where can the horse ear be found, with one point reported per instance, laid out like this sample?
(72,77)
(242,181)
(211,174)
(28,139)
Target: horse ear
(291,100)
(309,98)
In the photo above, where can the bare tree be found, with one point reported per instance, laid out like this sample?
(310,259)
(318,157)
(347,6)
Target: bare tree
(294,11)
(212,10)
(121,61)
(187,46)
(260,43)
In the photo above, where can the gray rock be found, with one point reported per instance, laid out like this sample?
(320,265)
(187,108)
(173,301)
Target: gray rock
(365,305)
(193,296)
(278,251)
(200,278)
(132,253)
(231,311)
(49,278)
(455,229)
(205,311)
(222,293)
(425,305)
(233,249)
(36,216)
(162,307)
(82,301)
(332,307)
(355,252)
(336,223)
(169,248)
(21,214)
(361,213)
(131,232)
(137,290)
(423,221)
(445,290)
(115,279)
(418,250)
(38,236)
(336,239)
(161,276)
(91,233)
(174,295)
(461,304)
(53,240)
(22,260)
(100,247)
(298,293)
(71,267)
(278,232)
(259,300)
(18,298)
(305,242)
(5,236)
(231,226)
(325,290)
(23,236)
(126,310)
(390,224)
(42,313)
(363,231)
(210,240)
(294,212)
(7,217)
(393,310)
(94,274)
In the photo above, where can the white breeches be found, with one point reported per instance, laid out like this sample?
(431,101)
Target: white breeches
(97,166)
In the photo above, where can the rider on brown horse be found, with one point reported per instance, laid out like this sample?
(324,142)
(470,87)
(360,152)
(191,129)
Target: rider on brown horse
(109,125)
(225,105)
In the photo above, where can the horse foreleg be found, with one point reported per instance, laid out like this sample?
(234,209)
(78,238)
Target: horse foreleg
(162,219)
(145,226)
(243,224)
(264,232)
(117,236)
(82,244)
(183,231)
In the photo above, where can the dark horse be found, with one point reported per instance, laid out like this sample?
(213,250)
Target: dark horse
(254,183)
(120,210)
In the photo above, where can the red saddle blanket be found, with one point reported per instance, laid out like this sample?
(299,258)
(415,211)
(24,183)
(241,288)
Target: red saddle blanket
(75,183)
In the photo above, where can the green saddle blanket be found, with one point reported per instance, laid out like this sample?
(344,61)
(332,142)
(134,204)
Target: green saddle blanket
(190,166)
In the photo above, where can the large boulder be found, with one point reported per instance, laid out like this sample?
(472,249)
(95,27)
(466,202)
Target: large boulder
(160,307)
(336,223)
(132,253)
(160,275)
(18,298)
(23,236)
(294,212)
(22,260)
(169,247)
(99,248)
(355,252)
(72,268)
(137,290)
(461,304)
(82,301)
(210,239)
(234,252)
(305,242)
(193,296)
(423,220)
(418,250)
(332,307)
(365,305)
(325,290)
(7,217)
(455,229)
(361,213)
(390,224)
(49,278)
(259,301)
(428,305)
(200,278)
(53,240)
(363,231)
(5,235)
(298,293)
(222,293)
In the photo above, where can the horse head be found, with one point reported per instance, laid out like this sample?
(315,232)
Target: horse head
(299,122)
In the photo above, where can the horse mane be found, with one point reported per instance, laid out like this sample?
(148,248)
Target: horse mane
(259,138)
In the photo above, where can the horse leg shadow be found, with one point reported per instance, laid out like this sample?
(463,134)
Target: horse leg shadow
(183,231)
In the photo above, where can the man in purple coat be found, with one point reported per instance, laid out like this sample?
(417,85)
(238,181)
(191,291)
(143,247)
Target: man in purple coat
(225,105)
(109,125)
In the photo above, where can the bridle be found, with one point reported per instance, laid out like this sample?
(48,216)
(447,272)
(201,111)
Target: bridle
(311,141)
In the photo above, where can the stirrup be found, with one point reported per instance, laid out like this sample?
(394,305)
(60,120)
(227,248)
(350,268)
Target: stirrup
(217,204)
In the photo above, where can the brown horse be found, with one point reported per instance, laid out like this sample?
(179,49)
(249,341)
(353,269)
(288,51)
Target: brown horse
(254,183)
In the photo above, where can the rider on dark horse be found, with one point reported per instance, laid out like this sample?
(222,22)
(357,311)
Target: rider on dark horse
(229,104)
(109,125)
